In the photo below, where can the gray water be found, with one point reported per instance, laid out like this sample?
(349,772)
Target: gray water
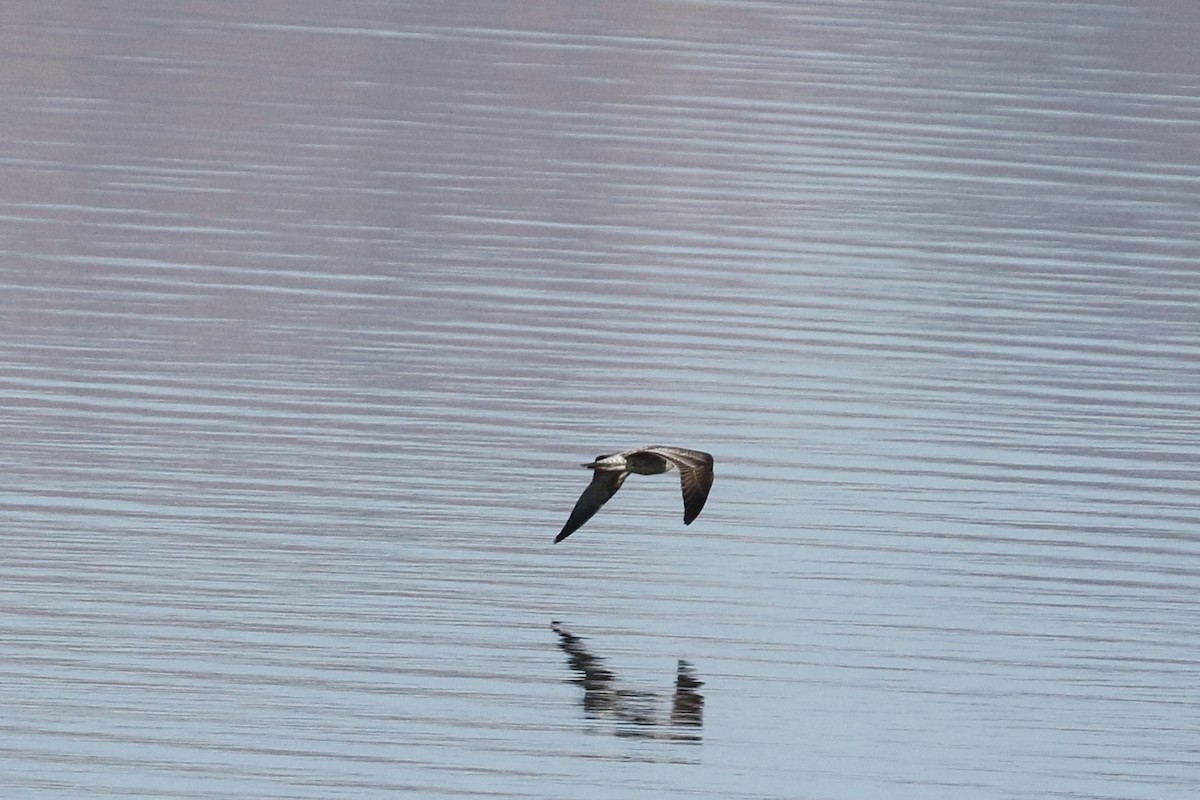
(309,313)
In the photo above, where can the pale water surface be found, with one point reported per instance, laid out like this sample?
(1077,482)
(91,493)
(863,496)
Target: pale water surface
(310,311)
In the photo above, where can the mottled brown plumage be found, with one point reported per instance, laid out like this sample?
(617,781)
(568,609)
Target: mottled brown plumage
(610,471)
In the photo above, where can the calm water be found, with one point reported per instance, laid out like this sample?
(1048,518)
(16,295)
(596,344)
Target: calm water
(309,314)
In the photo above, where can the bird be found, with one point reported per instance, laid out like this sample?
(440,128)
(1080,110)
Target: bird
(610,471)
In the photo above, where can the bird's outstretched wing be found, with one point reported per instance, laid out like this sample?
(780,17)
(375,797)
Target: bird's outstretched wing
(603,486)
(695,475)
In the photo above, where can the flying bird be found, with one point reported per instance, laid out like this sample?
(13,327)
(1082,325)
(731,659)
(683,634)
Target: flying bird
(610,471)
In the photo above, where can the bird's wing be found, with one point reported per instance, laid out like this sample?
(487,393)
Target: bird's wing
(604,485)
(695,475)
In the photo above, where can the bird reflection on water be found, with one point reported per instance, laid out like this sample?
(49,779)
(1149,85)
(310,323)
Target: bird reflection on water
(637,713)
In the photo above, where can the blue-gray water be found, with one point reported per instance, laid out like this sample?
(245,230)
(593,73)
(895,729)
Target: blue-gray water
(309,313)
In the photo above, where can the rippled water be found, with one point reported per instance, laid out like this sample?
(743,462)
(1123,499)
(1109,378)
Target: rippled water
(309,314)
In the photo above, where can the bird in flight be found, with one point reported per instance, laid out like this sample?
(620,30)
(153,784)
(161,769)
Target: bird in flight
(610,471)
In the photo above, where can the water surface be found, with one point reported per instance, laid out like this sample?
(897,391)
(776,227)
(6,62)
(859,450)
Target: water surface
(307,318)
